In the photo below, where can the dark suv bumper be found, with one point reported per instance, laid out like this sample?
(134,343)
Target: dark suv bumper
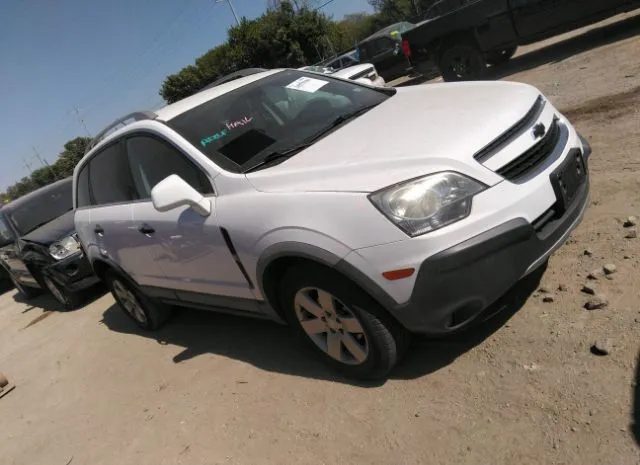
(456,285)
(73,273)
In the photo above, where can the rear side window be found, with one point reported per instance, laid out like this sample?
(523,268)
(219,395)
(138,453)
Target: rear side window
(83,198)
(152,160)
(109,177)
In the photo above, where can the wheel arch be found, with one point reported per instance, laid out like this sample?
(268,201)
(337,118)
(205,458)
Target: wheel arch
(102,266)
(277,259)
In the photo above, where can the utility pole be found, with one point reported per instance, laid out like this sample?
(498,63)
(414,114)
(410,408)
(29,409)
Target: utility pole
(233,11)
(42,162)
(27,165)
(77,110)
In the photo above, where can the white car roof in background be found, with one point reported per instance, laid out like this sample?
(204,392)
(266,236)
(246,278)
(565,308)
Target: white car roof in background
(346,73)
(171,111)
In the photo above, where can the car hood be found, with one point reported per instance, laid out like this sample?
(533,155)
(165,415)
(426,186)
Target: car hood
(420,130)
(52,231)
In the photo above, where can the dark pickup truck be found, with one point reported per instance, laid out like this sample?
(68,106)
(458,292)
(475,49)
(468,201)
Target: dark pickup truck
(460,37)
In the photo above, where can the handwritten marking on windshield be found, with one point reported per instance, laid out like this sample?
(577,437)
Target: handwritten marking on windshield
(242,122)
(216,136)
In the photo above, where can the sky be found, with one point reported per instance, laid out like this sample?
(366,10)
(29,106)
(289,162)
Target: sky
(67,61)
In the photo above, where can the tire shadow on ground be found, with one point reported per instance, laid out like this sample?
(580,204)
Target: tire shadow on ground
(272,347)
(47,303)
(559,51)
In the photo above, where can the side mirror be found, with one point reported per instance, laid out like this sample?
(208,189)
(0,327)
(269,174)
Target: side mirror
(173,192)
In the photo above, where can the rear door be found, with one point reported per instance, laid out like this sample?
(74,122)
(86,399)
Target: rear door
(532,17)
(191,250)
(104,217)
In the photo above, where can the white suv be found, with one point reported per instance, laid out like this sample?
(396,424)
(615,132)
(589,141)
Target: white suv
(357,215)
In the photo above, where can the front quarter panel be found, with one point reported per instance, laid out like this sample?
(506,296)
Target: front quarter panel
(324,226)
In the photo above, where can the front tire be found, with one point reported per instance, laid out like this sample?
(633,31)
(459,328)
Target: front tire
(345,327)
(462,62)
(69,300)
(146,313)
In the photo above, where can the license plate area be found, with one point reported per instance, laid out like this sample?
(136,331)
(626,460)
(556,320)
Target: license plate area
(567,180)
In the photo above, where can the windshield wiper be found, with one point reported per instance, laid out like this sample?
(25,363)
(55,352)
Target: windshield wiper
(288,153)
(284,154)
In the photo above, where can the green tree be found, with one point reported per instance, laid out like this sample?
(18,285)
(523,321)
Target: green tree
(63,167)
(284,36)
(182,84)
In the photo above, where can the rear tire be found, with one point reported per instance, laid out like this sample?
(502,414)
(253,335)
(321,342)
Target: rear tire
(499,57)
(462,62)
(340,323)
(145,312)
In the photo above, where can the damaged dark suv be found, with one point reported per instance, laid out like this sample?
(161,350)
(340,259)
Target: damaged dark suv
(39,248)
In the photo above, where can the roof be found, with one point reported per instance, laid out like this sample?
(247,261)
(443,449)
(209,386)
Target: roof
(235,75)
(171,111)
(20,201)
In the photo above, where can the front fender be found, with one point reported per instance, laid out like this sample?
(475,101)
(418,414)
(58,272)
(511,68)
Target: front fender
(290,242)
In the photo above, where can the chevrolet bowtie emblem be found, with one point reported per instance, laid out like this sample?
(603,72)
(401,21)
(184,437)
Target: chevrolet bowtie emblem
(539,130)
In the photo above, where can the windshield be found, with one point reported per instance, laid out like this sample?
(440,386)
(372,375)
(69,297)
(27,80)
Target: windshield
(41,208)
(275,113)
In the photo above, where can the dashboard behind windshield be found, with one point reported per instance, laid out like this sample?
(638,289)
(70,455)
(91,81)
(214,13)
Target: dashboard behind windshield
(274,113)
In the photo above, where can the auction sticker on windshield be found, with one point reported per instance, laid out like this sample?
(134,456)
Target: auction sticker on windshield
(307,84)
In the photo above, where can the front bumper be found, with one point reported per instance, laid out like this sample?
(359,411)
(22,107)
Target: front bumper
(74,273)
(453,286)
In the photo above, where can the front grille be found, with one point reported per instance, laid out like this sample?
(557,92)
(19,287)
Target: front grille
(364,73)
(533,157)
(513,132)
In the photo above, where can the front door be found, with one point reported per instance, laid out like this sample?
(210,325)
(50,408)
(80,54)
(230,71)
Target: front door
(10,252)
(104,214)
(189,250)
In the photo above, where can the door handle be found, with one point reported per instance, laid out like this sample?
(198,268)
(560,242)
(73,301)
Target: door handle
(98,230)
(146,229)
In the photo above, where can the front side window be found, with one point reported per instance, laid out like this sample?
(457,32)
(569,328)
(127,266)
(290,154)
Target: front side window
(275,113)
(6,236)
(41,207)
(152,160)
(109,178)
(83,196)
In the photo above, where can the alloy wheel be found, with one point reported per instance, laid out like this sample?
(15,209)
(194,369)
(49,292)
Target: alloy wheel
(129,301)
(55,290)
(331,325)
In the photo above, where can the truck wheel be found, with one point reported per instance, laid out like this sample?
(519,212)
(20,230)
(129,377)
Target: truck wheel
(146,313)
(346,328)
(462,62)
(498,57)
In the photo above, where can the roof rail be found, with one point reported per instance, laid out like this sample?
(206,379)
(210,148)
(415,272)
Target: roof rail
(127,119)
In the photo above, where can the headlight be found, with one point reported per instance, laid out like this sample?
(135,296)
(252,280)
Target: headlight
(429,203)
(64,248)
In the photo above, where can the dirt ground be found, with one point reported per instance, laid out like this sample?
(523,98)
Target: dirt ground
(523,388)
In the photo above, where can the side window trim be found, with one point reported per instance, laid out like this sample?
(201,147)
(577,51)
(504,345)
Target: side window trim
(163,140)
